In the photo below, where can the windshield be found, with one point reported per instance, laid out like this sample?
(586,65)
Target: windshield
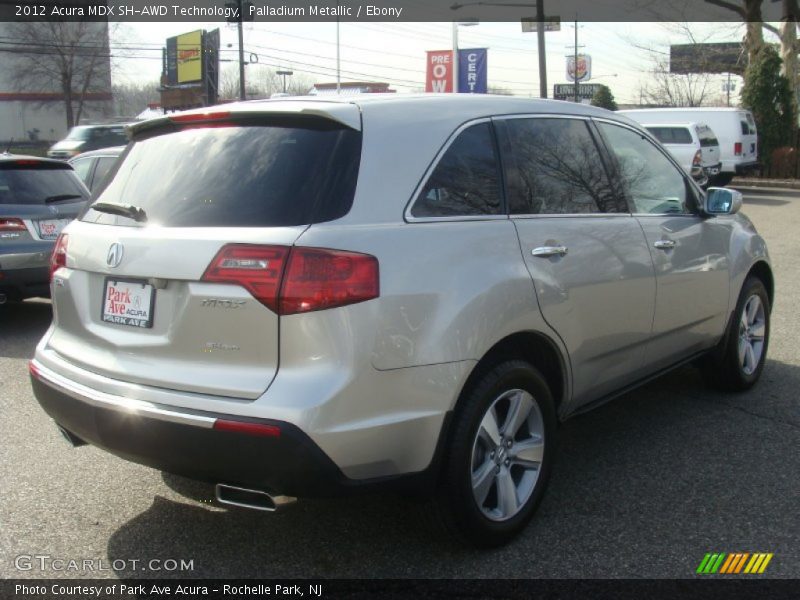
(78,134)
(234,175)
(25,185)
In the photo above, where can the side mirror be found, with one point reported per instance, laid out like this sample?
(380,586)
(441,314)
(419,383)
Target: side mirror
(722,201)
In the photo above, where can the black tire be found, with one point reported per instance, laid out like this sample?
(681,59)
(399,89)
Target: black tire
(723,369)
(454,504)
(722,179)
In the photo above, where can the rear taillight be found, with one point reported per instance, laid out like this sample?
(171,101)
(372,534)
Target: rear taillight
(256,268)
(318,278)
(58,258)
(12,225)
(295,280)
(737,148)
(698,159)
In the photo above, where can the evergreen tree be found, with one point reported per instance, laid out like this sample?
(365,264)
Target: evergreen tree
(768,95)
(604,98)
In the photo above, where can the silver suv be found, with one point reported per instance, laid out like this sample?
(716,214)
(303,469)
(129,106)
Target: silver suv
(307,297)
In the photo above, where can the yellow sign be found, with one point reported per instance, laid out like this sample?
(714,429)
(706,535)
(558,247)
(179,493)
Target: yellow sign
(190,54)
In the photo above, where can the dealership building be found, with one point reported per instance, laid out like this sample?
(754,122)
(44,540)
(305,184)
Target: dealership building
(35,112)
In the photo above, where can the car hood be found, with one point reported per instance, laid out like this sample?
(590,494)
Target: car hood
(67,145)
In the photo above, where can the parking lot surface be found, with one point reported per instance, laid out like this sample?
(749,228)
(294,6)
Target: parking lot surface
(643,486)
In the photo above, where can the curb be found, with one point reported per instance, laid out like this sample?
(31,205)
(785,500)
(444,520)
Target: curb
(782,184)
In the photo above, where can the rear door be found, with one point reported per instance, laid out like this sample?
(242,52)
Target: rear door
(587,256)
(135,302)
(709,147)
(690,252)
(747,126)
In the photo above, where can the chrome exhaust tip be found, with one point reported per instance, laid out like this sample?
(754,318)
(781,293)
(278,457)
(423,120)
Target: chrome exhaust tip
(252,499)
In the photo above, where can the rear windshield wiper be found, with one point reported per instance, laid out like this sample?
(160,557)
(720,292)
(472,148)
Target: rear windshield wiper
(123,210)
(60,197)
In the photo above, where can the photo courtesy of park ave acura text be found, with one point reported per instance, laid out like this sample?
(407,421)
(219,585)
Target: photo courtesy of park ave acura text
(401,298)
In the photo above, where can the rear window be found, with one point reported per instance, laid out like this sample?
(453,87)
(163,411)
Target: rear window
(276,174)
(707,137)
(671,135)
(39,185)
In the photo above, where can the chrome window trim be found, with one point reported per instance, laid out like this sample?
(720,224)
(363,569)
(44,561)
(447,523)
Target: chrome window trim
(409,218)
(570,215)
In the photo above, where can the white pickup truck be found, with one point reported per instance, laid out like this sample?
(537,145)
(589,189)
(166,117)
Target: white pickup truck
(693,145)
(733,127)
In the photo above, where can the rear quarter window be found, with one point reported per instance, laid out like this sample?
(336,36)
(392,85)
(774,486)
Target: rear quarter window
(268,174)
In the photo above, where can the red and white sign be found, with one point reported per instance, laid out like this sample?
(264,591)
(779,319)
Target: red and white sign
(439,78)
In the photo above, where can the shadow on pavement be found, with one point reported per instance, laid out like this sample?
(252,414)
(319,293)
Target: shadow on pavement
(21,327)
(656,477)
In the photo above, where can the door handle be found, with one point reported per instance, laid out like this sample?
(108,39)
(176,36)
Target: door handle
(664,244)
(548,251)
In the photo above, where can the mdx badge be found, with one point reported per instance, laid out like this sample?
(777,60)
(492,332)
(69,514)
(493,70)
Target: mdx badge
(115,253)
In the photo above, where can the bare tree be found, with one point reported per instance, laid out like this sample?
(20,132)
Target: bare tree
(71,59)
(132,98)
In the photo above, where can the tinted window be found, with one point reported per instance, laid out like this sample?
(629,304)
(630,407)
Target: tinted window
(707,137)
(745,127)
(671,135)
(234,175)
(466,181)
(652,182)
(554,167)
(36,185)
(104,164)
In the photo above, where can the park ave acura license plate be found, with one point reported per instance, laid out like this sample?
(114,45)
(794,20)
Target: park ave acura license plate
(128,302)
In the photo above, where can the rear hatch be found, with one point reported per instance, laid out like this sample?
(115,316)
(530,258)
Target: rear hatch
(38,198)
(157,291)
(709,146)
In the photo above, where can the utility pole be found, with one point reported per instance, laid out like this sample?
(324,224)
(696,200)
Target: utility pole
(242,95)
(728,90)
(454,62)
(542,55)
(575,64)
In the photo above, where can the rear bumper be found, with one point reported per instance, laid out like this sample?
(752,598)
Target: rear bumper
(186,443)
(19,284)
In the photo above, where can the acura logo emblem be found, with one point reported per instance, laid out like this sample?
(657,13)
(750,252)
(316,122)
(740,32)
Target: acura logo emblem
(115,253)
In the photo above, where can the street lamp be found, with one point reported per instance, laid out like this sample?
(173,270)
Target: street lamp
(284,74)
(539,6)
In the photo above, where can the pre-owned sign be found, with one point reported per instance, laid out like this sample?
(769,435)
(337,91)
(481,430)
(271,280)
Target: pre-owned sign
(439,76)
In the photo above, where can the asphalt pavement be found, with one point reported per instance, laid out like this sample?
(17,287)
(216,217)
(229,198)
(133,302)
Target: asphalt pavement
(643,487)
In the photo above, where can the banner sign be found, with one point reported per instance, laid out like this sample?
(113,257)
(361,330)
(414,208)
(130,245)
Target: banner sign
(439,78)
(584,67)
(472,71)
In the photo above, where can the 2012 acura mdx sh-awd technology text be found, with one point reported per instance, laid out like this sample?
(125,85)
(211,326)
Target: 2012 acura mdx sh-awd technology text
(307,297)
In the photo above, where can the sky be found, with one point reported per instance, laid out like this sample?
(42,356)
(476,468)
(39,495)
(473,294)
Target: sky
(395,52)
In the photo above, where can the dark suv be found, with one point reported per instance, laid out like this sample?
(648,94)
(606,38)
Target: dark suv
(88,137)
(38,197)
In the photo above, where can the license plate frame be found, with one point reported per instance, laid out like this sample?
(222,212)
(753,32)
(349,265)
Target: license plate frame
(122,305)
(58,224)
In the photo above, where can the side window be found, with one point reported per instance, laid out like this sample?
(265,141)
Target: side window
(653,183)
(554,168)
(466,181)
(104,165)
(83,168)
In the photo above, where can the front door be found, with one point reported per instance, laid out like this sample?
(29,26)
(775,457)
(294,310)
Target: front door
(690,251)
